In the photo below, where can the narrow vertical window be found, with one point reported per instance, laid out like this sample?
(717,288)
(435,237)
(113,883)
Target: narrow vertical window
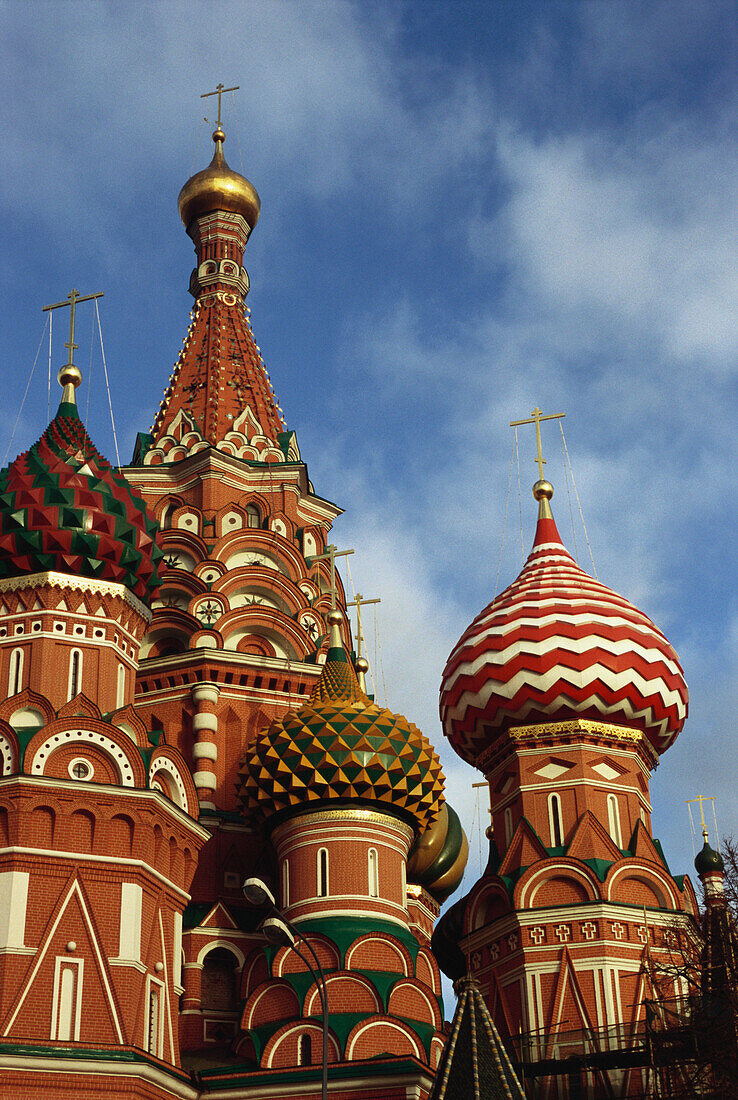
(373,874)
(121,689)
(286,882)
(154,1011)
(555,822)
(15,679)
(305,1051)
(323,873)
(253,516)
(152,1038)
(613,819)
(75,673)
(508,827)
(66,1006)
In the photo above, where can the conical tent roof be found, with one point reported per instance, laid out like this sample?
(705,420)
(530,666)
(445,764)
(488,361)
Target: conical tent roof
(474,1064)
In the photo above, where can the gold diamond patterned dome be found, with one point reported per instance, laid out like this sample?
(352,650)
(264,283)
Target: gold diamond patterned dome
(341,746)
(218,187)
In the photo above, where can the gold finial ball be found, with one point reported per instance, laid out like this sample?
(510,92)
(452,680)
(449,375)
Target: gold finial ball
(543,489)
(362,665)
(334,618)
(218,187)
(69,375)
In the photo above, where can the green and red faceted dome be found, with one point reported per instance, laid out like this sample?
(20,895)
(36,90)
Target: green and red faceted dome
(340,746)
(558,645)
(64,509)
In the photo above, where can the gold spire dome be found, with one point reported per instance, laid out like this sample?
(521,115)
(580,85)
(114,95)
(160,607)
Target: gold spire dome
(218,187)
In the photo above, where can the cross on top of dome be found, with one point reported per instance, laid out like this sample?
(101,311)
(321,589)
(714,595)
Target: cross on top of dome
(219,90)
(543,489)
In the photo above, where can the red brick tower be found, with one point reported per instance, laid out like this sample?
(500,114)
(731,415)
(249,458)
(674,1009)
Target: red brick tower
(564,695)
(344,786)
(98,829)
(143,664)
(239,631)
(238,625)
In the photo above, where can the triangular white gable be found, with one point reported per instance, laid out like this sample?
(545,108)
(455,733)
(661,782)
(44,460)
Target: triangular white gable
(218,917)
(74,890)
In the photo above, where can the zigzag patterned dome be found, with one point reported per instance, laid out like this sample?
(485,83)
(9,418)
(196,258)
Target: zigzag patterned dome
(341,746)
(64,509)
(558,645)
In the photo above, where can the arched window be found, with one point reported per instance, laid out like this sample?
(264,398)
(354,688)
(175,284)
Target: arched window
(253,516)
(120,695)
(613,819)
(373,874)
(15,678)
(75,673)
(508,827)
(219,984)
(286,882)
(555,822)
(305,1050)
(323,873)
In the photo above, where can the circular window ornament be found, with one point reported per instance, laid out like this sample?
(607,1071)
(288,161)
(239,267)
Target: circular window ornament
(81,769)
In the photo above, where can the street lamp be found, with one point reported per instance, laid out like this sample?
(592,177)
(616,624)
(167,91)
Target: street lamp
(277,929)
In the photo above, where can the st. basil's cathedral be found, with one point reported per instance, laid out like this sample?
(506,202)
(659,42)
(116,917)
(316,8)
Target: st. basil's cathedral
(185,711)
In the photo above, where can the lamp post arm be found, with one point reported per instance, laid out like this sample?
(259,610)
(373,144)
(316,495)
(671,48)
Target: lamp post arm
(322,993)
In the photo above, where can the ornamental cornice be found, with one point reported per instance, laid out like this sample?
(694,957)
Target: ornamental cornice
(357,816)
(567,729)
(76,584)
(575,725)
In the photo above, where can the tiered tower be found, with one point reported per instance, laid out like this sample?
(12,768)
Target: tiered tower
(238,642)
(98,815)
(176,722)
(564,695)
(344,787)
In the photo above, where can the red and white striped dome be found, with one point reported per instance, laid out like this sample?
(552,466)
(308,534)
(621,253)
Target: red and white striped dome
(557,645)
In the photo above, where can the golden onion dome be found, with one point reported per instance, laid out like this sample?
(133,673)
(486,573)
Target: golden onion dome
(218,187)
(438,857)
(340,747)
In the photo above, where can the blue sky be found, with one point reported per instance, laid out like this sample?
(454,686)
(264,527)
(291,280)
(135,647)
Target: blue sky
(468,209)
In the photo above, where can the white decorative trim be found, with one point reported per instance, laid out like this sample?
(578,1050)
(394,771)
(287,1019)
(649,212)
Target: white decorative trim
(66,737)
(204,722)
(163,763)
(204,750)
(6,755)
(76,584)
(204,779)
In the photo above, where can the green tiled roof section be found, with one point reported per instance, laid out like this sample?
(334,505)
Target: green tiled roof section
(344,931)
(83,1054)
(382,1066)
(382,980)
(599,866)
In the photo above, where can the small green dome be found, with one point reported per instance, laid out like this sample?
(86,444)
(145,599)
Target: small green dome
(709,861)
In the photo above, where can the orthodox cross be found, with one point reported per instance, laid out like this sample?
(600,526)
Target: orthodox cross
(535,418)
(71,300)
(331,553)
(701,798)
(219,89)
(358,602)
